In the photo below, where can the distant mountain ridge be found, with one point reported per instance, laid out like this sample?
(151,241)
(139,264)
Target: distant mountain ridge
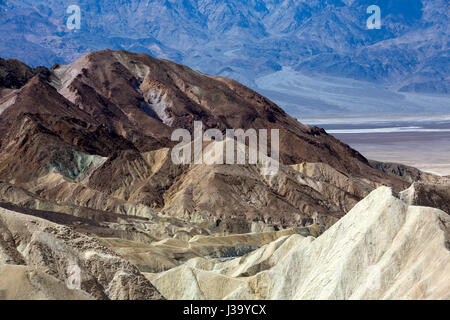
(245,40)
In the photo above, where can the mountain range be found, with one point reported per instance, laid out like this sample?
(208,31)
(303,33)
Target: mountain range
(251,40)
(92,205)
(112,113)
(88,185)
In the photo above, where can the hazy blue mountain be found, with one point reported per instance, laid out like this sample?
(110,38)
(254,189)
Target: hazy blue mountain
(246,39)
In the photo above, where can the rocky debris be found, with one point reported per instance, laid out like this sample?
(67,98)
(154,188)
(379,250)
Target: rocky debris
(428,195)
(46,252)
(382,249)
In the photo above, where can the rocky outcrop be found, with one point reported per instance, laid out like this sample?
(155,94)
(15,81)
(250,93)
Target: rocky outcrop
(428,195)
(382,249)
(41,255)
(14,74)
(404,172)
(341,189)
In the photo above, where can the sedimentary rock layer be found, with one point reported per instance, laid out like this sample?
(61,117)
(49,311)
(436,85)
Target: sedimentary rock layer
(40,254)
(382,249)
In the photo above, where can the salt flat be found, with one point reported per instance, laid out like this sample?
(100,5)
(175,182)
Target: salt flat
(419,141)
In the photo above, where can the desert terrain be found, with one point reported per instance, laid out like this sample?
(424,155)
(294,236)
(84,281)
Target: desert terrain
(93,207)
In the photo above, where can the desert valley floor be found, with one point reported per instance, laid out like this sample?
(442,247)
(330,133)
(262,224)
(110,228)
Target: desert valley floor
(420,141)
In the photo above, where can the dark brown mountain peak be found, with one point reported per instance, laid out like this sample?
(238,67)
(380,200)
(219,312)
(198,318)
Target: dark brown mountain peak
(14,74)
(97,134)
(143,99)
